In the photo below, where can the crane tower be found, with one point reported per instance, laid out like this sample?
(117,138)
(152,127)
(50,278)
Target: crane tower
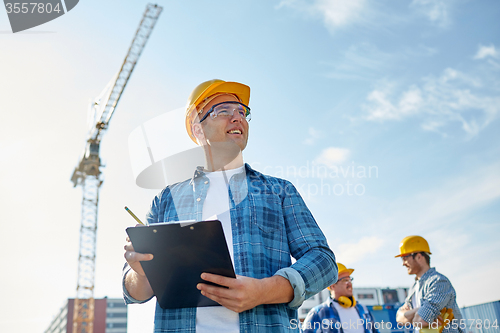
(88,171)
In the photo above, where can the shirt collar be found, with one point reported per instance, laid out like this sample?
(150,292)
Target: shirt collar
(199,172)
(426,275)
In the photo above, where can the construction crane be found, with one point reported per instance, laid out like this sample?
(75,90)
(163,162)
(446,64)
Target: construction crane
(88,170)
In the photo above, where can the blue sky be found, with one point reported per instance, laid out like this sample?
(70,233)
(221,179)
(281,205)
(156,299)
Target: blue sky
(406,89)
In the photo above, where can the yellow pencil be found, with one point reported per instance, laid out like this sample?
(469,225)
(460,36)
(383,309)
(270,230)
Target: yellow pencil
(133,215)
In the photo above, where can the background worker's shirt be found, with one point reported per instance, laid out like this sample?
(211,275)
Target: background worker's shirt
(350,318)
(326,318)
(435,292)
(270,223)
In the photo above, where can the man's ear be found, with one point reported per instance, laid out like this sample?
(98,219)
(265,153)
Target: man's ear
(198,131)
(419,257)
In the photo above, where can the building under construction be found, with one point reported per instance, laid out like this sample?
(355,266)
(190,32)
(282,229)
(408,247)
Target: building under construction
(110,316)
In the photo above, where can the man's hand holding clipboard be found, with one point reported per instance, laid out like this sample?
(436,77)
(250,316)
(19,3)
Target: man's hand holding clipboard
(137,275)
(244,293)
(168,259)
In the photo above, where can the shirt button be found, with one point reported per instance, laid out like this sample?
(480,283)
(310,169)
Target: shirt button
(206,181)
(198,199)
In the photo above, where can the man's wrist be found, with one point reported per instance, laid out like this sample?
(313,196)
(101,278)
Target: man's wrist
(276,289)
(419,321)
(134,277)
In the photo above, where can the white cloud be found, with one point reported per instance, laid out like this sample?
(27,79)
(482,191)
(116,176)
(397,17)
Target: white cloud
(434,126)
(332,156)
(437,11)
(452,98)
(408,104)
(381,107)
(486,51)
(314,135)
(334,13)
(350,253)
(337,13)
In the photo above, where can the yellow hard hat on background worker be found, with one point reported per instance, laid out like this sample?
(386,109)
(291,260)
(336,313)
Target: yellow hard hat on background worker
(344,271)
(205,90)
(413,244)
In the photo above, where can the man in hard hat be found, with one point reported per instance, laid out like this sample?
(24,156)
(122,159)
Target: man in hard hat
(265,223)
(431,291)
(341,312)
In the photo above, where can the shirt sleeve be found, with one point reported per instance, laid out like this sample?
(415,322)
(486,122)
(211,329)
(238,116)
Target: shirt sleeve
(315,268)
(152,214)
(151,217)
(438,294)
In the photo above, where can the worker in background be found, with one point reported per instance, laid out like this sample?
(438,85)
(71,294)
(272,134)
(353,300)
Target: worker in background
(265,222)
(341,312)
(431,291)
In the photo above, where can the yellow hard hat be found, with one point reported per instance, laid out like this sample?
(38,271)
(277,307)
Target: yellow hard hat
(210,88)
(413,244)
(343,269)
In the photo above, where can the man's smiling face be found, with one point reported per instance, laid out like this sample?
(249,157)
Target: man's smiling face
(412,265)
(343,287)
(220,131)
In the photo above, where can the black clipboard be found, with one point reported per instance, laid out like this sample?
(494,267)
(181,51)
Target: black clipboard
(182,251)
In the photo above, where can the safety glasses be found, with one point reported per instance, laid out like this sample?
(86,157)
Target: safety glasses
(346,279)
(227,109)
(409,255)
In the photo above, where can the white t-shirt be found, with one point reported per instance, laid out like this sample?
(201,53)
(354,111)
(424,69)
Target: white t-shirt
(349,318)
(415,300)
(216,206)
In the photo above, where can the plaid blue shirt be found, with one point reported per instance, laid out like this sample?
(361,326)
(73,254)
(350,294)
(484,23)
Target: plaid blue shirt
(436,293)
(324,318)
(270,223)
